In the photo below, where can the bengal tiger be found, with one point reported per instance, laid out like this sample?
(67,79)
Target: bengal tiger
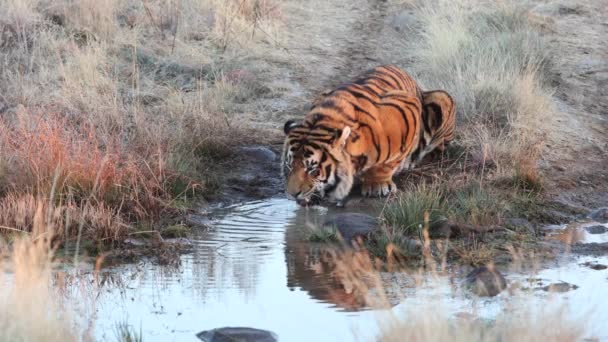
(365,129)
(439,120)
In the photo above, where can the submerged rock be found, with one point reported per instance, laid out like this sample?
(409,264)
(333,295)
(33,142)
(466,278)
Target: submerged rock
(593,248)
(596,229)
(237,334)
(351,225)
(485,281)
(600,215)
(595,266)
(559,287)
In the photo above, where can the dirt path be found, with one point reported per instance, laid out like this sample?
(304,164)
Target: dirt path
(318,55)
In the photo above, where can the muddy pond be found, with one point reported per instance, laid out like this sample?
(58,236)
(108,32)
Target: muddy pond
(250,268)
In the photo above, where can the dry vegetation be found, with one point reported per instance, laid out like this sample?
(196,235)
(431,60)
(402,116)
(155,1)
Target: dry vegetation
(125,106)
(361,275)
(496,64)
(494,61)
(32,307)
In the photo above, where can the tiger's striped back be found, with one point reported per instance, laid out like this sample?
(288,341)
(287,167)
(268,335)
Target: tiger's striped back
(376,82)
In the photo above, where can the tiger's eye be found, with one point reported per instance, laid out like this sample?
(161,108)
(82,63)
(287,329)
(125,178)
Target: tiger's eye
(314,172)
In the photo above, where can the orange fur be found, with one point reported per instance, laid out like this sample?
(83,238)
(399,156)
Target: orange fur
(366,128)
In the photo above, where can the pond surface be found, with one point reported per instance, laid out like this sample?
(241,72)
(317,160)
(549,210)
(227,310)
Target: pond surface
(251,269)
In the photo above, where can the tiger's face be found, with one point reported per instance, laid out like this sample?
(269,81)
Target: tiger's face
(315,169)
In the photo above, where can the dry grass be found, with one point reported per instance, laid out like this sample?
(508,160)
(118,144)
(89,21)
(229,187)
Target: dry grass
(130,102)
(520,325)
(361,276)
(492,58)
(495,63)
(31,307)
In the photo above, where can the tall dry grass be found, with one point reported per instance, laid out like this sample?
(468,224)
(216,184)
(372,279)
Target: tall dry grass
(361,276)
(496,64)
(32,308)
(132,102)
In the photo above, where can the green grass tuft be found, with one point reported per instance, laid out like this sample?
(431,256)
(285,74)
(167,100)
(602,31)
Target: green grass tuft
(406,213)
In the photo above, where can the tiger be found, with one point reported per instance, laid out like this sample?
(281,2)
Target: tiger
(439,121)
(364,129)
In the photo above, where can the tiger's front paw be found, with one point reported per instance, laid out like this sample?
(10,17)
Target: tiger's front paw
(378,189)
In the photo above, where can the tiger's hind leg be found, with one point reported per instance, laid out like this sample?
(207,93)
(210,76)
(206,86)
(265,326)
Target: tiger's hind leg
(378,181)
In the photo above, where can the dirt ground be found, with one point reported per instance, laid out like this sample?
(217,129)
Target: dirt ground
(317,54)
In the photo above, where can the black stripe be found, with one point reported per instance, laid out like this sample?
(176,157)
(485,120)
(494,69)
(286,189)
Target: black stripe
(323,157)
(327,141)
(360,95)
(366,87)
(377,78)
(331,130)
(376,146)
(333,187)
(327,172)
(312,144)
(388,153)
(397,72)
(398,84)
(319,135)
(359,109)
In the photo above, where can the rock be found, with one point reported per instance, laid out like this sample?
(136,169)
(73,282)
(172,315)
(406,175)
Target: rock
(593,248)
(402,21)
(600,215)
(594,266)
(351,225)
(198,220)
(596,229)
(237,334)
(559,287)
(485,281)
(259,153)
(560,168)
(131,242)
(441,228)
(521,225)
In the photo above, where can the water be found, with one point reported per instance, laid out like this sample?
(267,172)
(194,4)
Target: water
(249,270)
(252,269)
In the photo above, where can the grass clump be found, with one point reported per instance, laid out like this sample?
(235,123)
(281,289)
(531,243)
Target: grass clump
(126,333)
(407,212)
(477,205)
(324,233)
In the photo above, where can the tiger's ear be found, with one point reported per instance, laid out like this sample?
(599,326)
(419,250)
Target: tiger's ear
(437,104)
(341,136)
(291,124)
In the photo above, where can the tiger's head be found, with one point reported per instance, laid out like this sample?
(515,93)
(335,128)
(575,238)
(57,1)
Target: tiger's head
(315,163)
